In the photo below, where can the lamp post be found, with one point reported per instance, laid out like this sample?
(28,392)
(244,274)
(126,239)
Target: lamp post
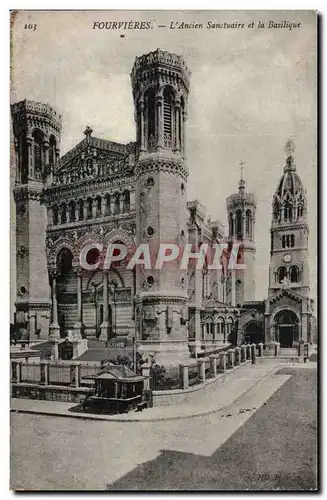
(95,300)
(112,287)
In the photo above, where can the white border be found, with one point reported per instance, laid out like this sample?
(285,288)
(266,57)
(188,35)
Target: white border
(4,184)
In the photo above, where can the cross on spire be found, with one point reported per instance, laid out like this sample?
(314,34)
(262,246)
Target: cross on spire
(88,131)
(241,182)
(242,163)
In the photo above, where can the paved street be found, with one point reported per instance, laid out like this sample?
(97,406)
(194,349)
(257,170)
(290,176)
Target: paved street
(265,440)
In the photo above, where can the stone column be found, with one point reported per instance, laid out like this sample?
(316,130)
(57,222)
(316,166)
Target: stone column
(29,143)
(132,200)
(253,353)
(105,324)
(94,209)
(159,119)
(222,360)
(142,135)
(46,152)
(260,349)
(202,369)
(243,347)
(54,329)
(213,359)
(112,205)
(85,206)
(18,372)
(183,122)
(79,326)
(77,211)
(54,341)
(304,325)
(103,206)
(177,145)
(146,373)
(121,203)
(231,354)
(184,376)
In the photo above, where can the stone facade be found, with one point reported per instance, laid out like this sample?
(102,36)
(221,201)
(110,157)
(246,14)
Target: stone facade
(135,193)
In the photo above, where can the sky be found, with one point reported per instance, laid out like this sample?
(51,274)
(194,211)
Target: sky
(251,89)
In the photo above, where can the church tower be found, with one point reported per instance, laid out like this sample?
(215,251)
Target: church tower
(289,308)
(36,129)
(160,83)
(241,209)
(289,232)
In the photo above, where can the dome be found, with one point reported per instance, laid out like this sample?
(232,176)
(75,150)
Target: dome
(291,183)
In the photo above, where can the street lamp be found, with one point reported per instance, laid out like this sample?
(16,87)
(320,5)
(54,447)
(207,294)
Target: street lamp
(112,287)
(95,300)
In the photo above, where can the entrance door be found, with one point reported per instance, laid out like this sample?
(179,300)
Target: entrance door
(286,336)
(286,326)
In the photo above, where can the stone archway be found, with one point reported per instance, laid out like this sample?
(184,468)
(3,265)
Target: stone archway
(286,324)
(253,333)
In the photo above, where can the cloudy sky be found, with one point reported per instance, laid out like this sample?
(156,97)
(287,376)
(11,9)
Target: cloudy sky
(251,89)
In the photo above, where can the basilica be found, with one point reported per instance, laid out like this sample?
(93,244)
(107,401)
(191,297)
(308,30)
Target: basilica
(107,192)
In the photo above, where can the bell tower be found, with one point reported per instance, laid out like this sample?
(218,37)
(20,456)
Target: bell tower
(241,210)
(36,129)
(289,232)
(160,82)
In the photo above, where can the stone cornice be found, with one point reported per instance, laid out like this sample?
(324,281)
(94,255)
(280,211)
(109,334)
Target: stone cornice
(83,188)
(289,227)
(146,166)
(28,192)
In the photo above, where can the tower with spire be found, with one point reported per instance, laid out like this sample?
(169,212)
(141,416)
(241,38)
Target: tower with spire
(289,308)
(241,209)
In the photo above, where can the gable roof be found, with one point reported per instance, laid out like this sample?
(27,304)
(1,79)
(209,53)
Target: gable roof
(286,292)
(94,142)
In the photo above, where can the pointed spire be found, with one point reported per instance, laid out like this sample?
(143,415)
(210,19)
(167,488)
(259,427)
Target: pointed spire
(289,150)
(241,182)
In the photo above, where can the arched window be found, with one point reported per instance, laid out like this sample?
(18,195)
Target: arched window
(89,208)
(64,261)
(72,211)
(220,326)
(168,99)
(126,201)
(292,240)
(150,110)
(38,153)
(288,211)
(107,210)
(239,224)
(52,150)
(55,213)
(248,224)
(231,226)
(294,274)
(63,213)
(209,326)
(281,274)
(116,206)
(98,205)
(81,209)
(229,326)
